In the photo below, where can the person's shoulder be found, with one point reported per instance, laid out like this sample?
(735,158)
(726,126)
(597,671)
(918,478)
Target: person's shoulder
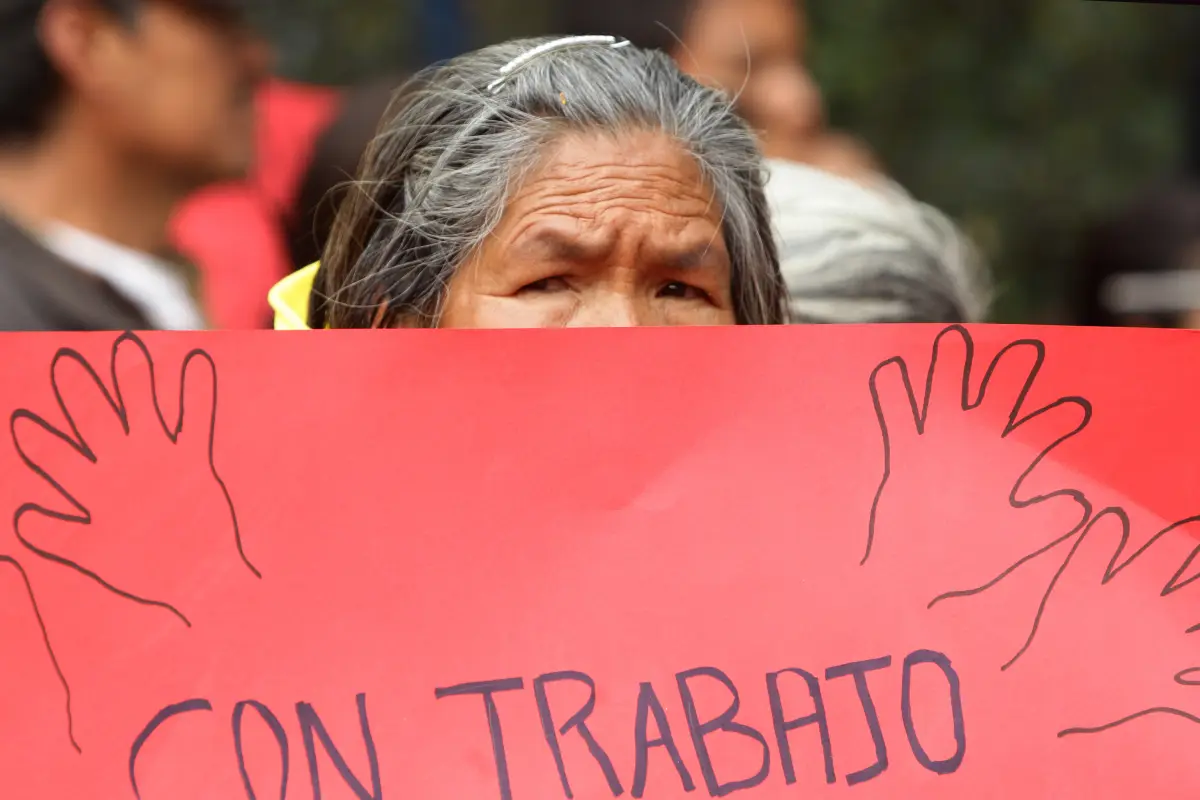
(20,309)
(39,291)
(21,260)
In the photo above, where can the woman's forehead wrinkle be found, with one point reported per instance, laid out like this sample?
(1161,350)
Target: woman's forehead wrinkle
(677,227)
(592,195)
(687,251)
(598,183)
(551,242)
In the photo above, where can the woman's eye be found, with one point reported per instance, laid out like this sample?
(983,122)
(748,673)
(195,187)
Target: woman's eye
(555,284)
(682,290)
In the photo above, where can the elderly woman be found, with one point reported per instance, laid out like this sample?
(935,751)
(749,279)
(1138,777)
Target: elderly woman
(550,183)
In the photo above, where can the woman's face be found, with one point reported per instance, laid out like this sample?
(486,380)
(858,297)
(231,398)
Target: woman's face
(608,231)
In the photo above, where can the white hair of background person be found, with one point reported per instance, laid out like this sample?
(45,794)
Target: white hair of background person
(852,253)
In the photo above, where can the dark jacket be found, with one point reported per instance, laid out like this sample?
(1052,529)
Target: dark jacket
(41,292)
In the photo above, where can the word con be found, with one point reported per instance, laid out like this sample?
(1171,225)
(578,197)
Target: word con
(648,705)
(311,729)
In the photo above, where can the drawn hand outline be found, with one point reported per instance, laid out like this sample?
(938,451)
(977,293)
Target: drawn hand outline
(71,436)
(118,404)
(1188,677)
(918,415)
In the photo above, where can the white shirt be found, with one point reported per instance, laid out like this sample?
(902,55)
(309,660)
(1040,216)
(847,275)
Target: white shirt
(151,284)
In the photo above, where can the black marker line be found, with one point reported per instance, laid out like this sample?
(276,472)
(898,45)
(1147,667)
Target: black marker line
(1174,712)
(920,412)
(858,671)
(1111,570)
(939,766)
(1008,571)
(1174,584)
(1183,677)
(487,690)
(173,434)
(281,742)
(62,679)
(887,442)
(212,438)
(187,706)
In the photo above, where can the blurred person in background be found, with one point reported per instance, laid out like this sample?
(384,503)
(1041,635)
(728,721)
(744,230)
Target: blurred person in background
(1141,266)
(852,253)
(245,236)
(235,232)
(754,50)
(111,112)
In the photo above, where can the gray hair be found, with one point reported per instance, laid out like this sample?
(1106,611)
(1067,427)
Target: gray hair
(857,253)
(436,179)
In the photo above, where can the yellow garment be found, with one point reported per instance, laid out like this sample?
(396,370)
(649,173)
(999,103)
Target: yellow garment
(289,298)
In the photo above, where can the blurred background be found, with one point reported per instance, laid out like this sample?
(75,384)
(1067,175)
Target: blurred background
(1027,121)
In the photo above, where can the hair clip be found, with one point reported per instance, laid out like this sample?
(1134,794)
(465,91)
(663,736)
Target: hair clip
(558,44)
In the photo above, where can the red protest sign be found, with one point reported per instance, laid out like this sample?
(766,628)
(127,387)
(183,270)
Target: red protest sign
(657,563)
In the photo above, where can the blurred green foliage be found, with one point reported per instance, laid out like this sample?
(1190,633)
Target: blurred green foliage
(1023,119)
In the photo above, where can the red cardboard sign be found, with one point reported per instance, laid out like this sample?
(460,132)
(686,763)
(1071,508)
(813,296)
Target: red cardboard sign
(877,562)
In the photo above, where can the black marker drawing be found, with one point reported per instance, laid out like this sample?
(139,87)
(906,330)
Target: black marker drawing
(1174,584)
(26,426)
(37,614)
(916,413)
(1186,682)
(195,360)
(1081,533)
(1149,712)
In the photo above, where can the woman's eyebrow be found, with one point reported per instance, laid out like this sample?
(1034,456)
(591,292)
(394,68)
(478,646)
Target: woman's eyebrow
(557,245)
